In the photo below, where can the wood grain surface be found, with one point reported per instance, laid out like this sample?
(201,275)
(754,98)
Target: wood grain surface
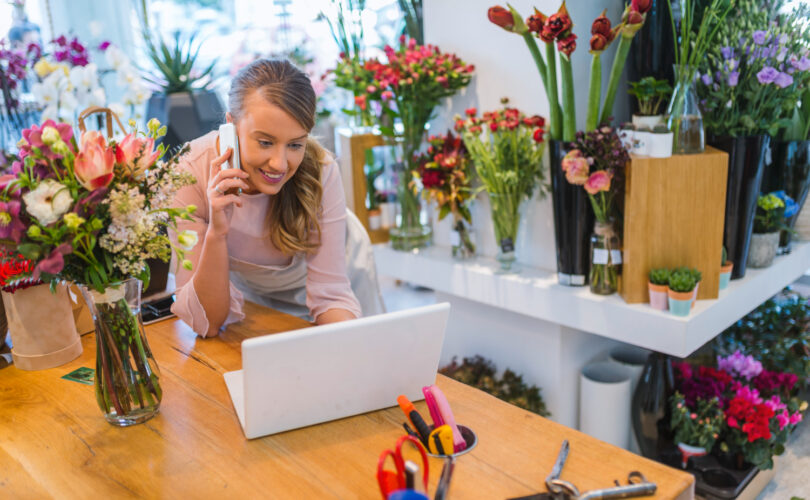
(359,144)
(54,442)
(674,215)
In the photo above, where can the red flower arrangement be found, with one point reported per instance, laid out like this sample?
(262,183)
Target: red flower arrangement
(16,272)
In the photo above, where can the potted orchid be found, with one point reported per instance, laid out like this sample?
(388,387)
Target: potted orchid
(597,163)
(446,175)
(91,211)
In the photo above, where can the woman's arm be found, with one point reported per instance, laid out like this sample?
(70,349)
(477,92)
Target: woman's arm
(334,316)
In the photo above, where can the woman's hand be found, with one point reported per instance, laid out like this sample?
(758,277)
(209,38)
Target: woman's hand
(219,202)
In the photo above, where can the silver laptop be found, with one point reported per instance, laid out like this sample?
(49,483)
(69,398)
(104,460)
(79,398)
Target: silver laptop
(305,377)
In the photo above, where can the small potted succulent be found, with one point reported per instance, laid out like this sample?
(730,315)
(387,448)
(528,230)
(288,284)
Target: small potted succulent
(769,220)
(650,94)
(698,276)
(658,285)
(696,429)
(681,292)
(726,266)
(659,142)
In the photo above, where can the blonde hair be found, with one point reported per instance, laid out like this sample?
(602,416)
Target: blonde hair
(293,213)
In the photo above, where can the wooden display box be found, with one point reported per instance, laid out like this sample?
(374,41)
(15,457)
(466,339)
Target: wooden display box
(351,152)
(674,213)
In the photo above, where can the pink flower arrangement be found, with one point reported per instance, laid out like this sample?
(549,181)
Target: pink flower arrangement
(598,182)
(95,162)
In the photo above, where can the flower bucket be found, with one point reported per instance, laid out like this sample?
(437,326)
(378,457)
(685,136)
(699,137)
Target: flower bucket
(763,249)
(725,275)
(43,332)
(658,296)
(680,303)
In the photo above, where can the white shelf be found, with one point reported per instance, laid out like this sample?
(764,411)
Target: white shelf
(535,292)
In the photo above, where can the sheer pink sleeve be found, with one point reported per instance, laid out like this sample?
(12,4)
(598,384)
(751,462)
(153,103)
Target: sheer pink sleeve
(328,286)
(187,306)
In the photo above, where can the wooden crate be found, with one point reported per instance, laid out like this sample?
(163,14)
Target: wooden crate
(352,158)
(673,216)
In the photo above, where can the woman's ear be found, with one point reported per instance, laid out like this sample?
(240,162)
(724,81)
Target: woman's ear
(228,117)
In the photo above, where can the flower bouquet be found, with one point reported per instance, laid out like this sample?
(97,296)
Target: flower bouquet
(91,212)
(506,147)
(597,164)
(446,176)
(410,85)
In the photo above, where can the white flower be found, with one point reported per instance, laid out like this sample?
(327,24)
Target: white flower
(48,202)
(187,239)
(116,57)
(84,78)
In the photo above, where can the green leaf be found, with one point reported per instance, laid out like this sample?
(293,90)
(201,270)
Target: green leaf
(387,131)
(444,211)
(30,251)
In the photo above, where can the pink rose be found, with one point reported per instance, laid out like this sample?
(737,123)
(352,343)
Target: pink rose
(577,170)
(598,181)
(95,161)
(567,160)
(138,153)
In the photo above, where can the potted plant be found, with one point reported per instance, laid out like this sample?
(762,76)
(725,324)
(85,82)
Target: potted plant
(650,94)
(659,142)
(695,428)
(506,148)
(725,270)
(658,285)
(626,134)
(698,276)
(681,292)
(769,219)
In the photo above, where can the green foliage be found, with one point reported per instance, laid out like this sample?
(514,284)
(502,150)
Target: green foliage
(481,373)
(175,64)
(650,93)
(777,333)
(696,426)
(770,214)
(659,276)
(682,280)
(725,256)
(347,27)
(412,18)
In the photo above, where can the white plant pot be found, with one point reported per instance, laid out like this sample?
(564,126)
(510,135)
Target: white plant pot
(604,402)
(627,137)
(647,122)
(641,142)
(763,249)
(659,145)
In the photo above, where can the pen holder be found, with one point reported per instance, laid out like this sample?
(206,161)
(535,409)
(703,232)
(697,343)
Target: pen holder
(469,436)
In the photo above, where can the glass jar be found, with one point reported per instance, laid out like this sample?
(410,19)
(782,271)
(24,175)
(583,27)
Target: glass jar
(684,118)
(606,259)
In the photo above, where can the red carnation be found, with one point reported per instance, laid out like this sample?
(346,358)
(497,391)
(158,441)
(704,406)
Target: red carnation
(432,178)
(471,112)
(538,135)
(642,6)
(567,45)
(493,126)
(502,17)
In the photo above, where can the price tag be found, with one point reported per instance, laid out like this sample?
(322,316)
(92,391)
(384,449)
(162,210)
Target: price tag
(616,257)
(507,245)
(600,256)
(455,238)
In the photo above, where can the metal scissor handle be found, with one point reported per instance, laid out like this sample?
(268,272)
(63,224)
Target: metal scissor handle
(637,486)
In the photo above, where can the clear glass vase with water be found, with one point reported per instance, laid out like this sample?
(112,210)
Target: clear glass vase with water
(684,118)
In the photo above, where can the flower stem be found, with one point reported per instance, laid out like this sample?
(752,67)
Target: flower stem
(531,42)
(555,120)
(615,75)
(594,92)
(569,104)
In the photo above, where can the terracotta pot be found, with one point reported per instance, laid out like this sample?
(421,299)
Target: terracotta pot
(658,296)
(725,274)
(695,294)
(43,331)
(680,303)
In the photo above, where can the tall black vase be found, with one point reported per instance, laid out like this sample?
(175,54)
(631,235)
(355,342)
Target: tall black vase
(187,115)
(789,171)
(746,162)
(573,222)
(652,51)
(650,412)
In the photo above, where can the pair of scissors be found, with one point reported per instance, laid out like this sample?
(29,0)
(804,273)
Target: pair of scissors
(393,480)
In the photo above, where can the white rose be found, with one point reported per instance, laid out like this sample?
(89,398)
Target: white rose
(48,202)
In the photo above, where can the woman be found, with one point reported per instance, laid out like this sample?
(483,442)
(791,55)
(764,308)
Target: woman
(281,241)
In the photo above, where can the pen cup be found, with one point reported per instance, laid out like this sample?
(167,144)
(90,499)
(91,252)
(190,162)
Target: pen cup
(469,437)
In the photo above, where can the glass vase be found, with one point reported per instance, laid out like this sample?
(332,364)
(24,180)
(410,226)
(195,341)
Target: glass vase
(461,239)
(127,381)
(606,259)
(410,233)
(505,218)
(684,118)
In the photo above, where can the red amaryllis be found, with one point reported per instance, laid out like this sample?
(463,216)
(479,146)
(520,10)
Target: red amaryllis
(601,26)
(558,24)
(502,17)
(567,45)
(598,43)
(634,17)
(642,6)
(536,22)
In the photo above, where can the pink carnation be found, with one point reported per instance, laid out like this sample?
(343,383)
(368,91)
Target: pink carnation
(597,182)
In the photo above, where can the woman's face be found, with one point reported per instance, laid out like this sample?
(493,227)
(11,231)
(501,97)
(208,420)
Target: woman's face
(271,144)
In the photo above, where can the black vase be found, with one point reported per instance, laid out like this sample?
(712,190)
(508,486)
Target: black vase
(187,115)
(650,412)
(573,222)
(652,51)
(746,161)
(789,171)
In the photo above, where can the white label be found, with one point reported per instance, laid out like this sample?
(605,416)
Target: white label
(455,238)
(600,256)
(616,257)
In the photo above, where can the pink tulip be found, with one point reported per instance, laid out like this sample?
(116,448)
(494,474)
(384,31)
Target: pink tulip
(95,161)
(598,181)
(138,153)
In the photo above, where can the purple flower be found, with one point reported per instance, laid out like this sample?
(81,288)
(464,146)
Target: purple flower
(783,39)
(707,79)
(60,55)
(760,36)
(10,224)
(727,52)
(104,45)
(767,75)
(733,78)
(783,80)
(86,206)
(741,365)
(803,64)
(55,262)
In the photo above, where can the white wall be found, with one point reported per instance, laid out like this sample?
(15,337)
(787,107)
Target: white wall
(504,67)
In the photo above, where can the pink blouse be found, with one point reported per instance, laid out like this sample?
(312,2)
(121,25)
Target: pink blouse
(327,285)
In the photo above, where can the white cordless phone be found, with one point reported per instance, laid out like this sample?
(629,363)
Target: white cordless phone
(227,139)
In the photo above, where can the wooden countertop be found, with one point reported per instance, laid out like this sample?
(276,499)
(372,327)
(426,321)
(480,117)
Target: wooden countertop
(54,441)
